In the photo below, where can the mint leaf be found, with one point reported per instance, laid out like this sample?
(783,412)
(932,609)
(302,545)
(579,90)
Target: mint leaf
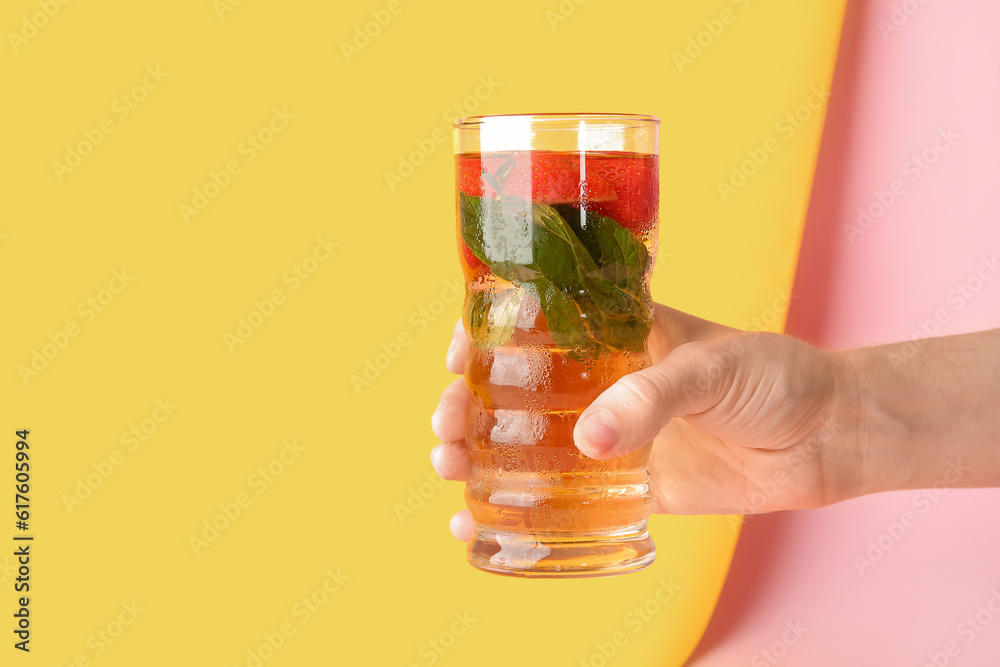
(622,257)
(588,277)
(515,239)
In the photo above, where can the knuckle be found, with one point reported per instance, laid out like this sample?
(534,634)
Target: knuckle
(640,391)
(709,365)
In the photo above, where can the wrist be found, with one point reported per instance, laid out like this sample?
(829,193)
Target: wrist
(869,434)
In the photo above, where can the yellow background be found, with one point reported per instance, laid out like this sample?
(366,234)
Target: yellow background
(335,506)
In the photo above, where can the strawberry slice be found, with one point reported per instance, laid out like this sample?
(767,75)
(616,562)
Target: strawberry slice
(470,175)
(542,177)
(548,178)
(635,180)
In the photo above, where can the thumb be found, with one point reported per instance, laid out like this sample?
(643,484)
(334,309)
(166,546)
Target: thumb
(691,379)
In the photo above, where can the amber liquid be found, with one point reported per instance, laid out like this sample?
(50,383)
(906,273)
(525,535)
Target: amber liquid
(540,506)
(531,488)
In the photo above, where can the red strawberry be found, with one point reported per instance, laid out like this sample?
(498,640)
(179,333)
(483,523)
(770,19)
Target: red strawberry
(470,177)
(548,178)
(542,177)
(635,180)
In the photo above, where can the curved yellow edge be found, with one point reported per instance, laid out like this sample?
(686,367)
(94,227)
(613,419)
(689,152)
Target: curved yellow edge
(732,212)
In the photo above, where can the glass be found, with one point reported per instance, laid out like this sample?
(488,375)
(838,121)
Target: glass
(557,231)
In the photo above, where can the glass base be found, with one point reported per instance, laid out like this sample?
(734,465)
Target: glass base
(560,556)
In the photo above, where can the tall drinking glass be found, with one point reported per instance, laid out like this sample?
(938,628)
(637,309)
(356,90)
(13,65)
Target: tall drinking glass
(557,229)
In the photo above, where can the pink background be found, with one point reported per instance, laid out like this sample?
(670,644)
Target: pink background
(892,94)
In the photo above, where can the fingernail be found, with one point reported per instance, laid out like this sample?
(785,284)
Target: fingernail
(451,351)
(599,432)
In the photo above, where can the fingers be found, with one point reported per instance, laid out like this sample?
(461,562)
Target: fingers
(462,525)
(458,351)
(452,461)
(451,458)
(448,420)
(632,411)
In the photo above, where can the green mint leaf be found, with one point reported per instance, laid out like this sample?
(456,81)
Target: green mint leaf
(588,276)
(622,257)
(522,242)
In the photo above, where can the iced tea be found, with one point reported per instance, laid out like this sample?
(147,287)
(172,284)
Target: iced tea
(557,248)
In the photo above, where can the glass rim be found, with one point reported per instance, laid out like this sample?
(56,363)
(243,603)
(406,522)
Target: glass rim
(620,119)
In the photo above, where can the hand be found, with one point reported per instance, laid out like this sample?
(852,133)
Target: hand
(741,422)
